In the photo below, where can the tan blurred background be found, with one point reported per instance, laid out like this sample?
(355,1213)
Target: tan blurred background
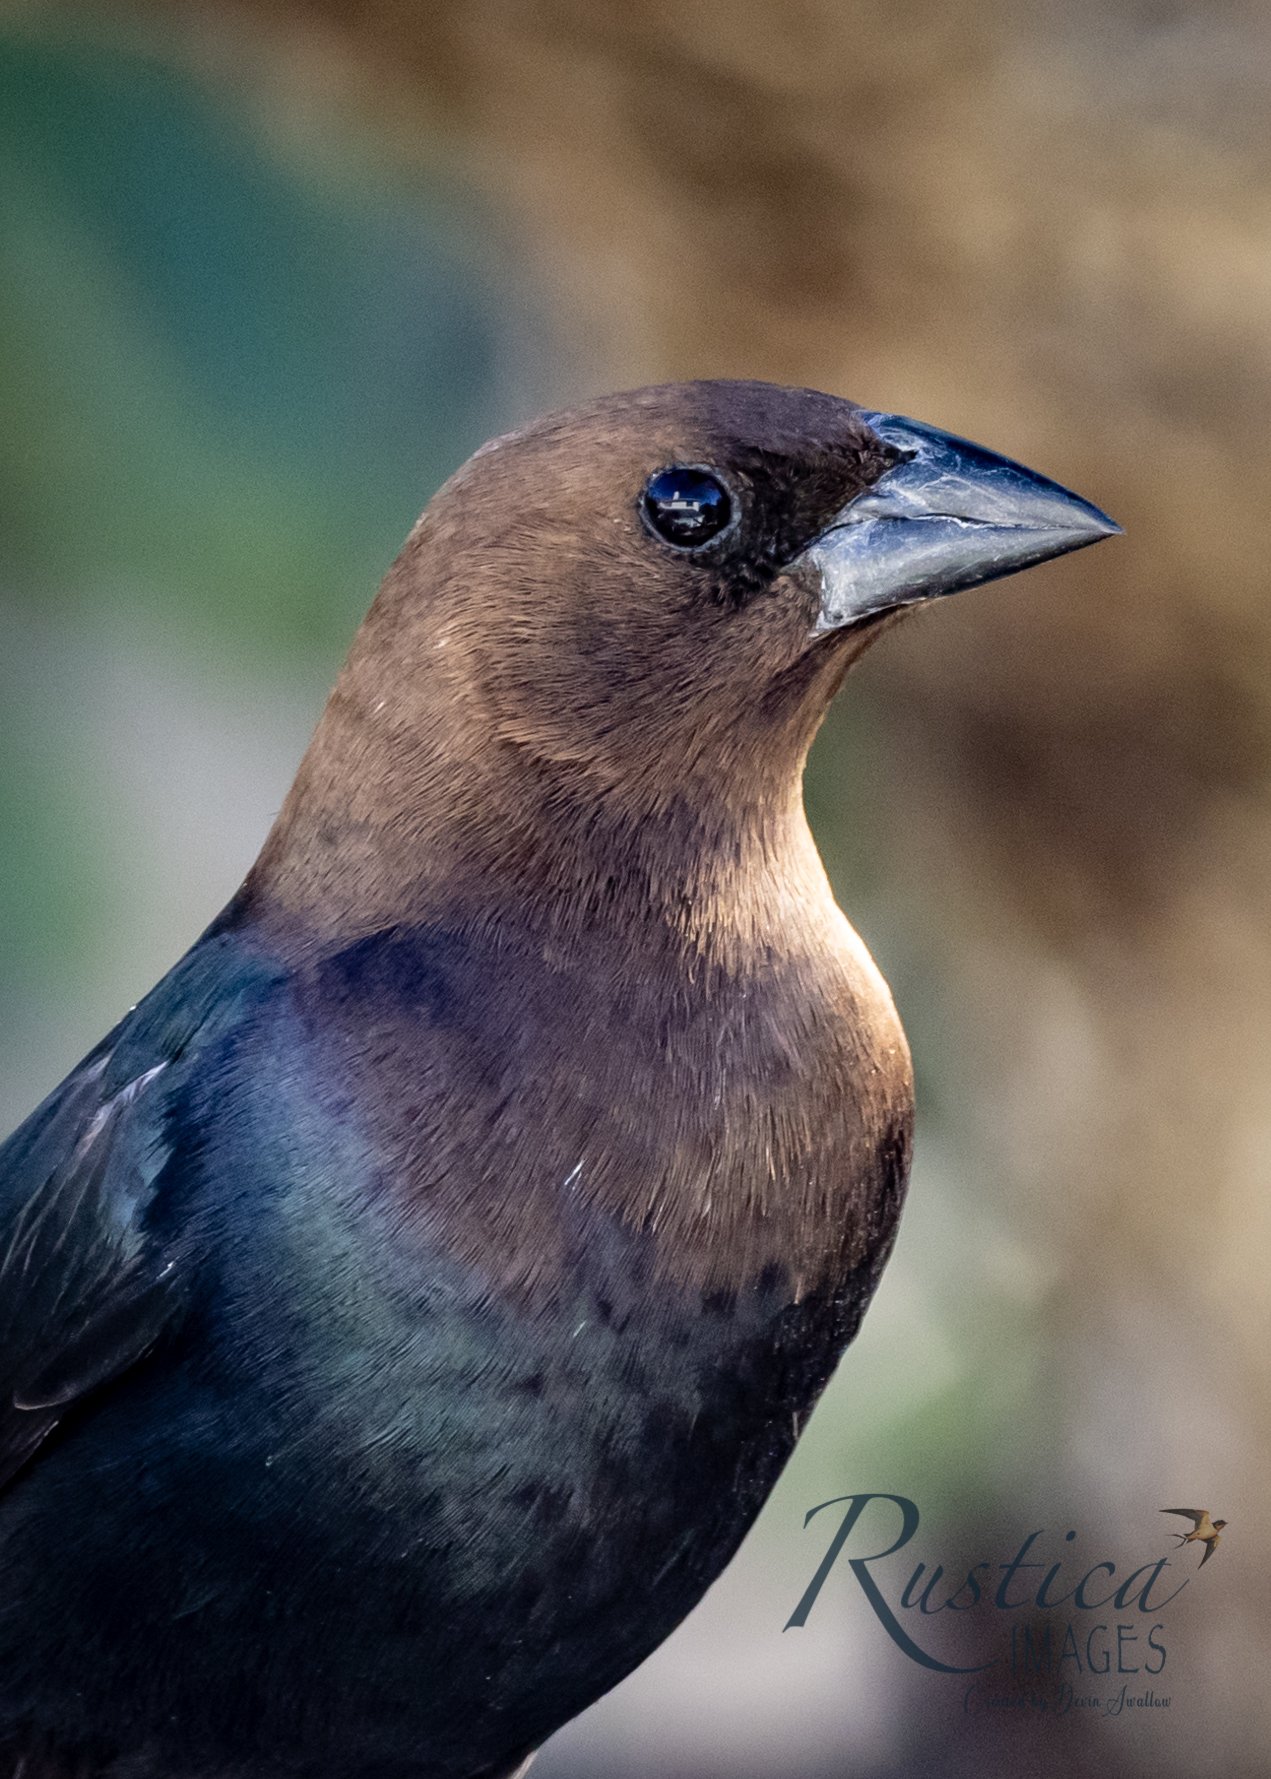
(269,269)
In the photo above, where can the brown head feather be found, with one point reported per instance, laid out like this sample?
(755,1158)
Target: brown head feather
(579,753)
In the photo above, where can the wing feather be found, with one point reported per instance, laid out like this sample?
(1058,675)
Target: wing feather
(87,1286)
(83,1292)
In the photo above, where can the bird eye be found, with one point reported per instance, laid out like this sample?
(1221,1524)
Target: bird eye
(687,507)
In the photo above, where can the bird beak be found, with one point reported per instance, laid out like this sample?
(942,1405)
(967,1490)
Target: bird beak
(949,515)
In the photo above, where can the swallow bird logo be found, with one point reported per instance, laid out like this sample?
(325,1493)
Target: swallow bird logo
(1204,1530)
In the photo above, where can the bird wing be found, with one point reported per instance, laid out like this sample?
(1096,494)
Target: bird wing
(1194,1514)
(1211,1545)
(87,1284)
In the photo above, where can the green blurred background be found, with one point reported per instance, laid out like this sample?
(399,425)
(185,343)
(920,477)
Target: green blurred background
(268,271)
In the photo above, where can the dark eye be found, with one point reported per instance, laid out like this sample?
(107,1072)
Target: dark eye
(687,507)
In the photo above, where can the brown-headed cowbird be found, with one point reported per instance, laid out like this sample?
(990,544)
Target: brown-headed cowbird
(405,1311)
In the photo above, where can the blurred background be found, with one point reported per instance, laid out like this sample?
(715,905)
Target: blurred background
(269,269)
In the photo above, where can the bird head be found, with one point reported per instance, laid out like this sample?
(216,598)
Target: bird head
(672,582)
(636,612)
(1218,1524)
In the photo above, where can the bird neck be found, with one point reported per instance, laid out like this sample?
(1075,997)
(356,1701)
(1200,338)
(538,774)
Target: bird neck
(393,823)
